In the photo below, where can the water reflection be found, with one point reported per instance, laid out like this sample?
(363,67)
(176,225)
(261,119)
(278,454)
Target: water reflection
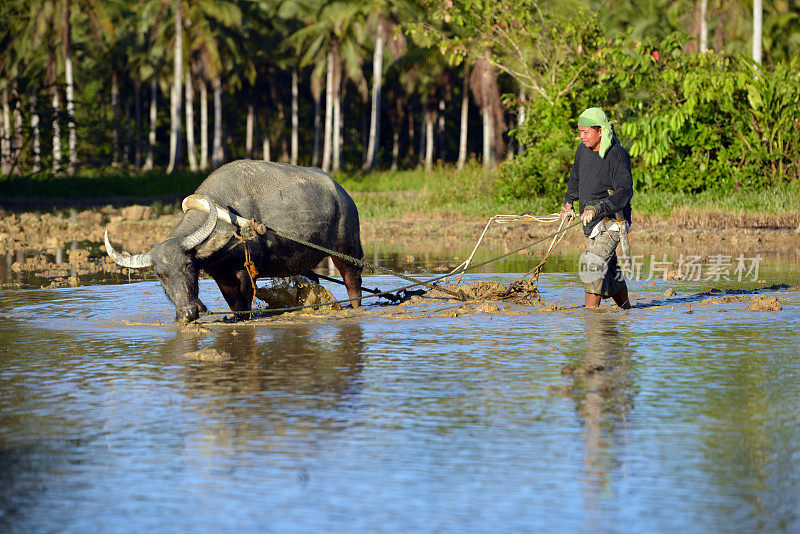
(396,424)
(603,392)
(276,386)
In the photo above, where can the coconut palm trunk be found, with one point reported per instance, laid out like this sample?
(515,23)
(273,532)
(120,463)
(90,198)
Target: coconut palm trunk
(440,131)
(483,83)
(336,128)
(71,126)
(217,154)
(36,134)
(703,26)
(248,130)
(422,136)
(127,133)
(5,136)
(522,116)
(429,121)
(153,115)
(316,94)
(191,146)
(375,112)
(488,136)
(16,141)
(295,118)
(266,149)
(411,133)
(56,132)
(175,96)
(397,122)
(115,119)
(69,87)
(757,30)
(326,136)
(203,124)
(462,138)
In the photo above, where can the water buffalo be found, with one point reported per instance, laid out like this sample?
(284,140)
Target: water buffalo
(297,201)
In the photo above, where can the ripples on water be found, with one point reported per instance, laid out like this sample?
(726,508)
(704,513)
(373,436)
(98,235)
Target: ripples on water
(670,420)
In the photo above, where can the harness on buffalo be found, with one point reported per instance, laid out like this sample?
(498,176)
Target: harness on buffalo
(248,228)
(198,201)
(246,233)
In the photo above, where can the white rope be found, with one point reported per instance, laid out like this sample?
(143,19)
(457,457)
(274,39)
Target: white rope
(546,219)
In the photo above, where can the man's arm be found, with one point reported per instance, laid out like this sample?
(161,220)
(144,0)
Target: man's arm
(621,183)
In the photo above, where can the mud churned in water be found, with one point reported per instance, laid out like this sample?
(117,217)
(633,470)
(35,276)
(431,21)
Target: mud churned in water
(487,298)
(479,298)
(297,291)
(765,304)
(65,248)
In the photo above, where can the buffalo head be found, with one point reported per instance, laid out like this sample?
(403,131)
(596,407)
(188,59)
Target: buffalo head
(174,262)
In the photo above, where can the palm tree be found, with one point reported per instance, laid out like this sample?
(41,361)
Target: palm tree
(330,41)
(8,72)
(21,72)
(177,90)
(276,64)
(59,15)
(462,138)
(151,17)
(213,29)
(40,58)
(758,12)
(191,147)
(381,15)
(485,91)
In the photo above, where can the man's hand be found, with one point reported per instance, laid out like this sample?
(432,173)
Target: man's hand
(588,214)
(566,211)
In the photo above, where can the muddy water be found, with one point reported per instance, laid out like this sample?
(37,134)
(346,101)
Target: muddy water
(680,414)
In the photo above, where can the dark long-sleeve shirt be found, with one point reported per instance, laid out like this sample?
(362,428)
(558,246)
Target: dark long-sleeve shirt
(592,176)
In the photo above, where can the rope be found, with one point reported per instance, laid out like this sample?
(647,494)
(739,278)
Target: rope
(362,263)
(252,271)
(553,217)
(428,283)
(556,240)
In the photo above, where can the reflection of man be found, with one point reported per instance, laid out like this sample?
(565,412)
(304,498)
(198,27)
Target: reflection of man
(603,393)
(600,180)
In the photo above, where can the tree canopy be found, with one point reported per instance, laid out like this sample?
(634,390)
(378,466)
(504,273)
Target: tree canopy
(102,72)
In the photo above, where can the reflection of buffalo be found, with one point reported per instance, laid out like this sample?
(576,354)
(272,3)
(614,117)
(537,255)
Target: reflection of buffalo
(274,378)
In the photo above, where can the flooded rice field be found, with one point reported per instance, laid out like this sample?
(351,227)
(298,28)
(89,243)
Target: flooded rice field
(432,416)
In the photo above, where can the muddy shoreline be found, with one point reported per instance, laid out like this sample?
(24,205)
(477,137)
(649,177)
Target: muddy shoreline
(65,248)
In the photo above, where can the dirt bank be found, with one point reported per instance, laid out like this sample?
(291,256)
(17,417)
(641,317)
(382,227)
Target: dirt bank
(63,248)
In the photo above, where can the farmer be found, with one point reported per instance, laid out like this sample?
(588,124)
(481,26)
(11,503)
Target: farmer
(600,180)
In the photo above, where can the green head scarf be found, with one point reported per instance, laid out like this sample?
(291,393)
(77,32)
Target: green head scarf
(596,117)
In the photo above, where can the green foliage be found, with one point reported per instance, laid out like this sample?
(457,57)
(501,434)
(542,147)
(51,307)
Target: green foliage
(549,133)
(704,121)
(386,195)
(691,122)
(542,169)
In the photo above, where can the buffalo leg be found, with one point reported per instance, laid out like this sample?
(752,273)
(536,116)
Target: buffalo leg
(237,289)
(352,279)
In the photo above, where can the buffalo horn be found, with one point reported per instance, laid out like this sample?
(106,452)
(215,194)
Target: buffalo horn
(200,235)
(137,261)
(201,202)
